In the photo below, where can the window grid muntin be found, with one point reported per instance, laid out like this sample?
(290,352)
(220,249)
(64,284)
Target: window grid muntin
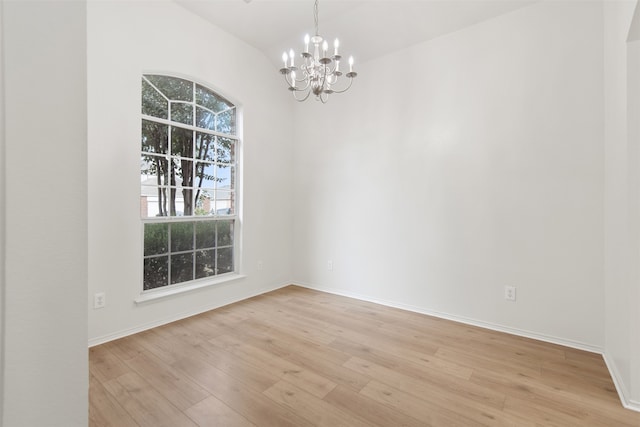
(213,191)
(169,157)
(170,253)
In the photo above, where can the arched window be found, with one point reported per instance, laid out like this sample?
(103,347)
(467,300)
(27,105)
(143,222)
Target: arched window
(187,182)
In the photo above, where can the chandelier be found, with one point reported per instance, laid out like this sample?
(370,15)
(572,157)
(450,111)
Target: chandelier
(318,73)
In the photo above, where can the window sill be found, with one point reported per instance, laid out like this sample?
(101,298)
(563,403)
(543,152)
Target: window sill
(156,294)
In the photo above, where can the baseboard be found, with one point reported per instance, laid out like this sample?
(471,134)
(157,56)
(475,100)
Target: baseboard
(621,388)
(619,384)
(202,309)
(460,319)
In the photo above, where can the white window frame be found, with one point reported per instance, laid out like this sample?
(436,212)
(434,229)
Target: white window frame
(179,288)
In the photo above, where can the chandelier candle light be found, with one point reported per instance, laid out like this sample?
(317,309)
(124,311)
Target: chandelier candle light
(318,72)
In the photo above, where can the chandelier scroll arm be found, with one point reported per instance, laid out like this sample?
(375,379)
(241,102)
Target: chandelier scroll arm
(350,83)
(300,99)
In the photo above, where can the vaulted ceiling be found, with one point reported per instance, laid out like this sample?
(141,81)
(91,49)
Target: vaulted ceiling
(367,29)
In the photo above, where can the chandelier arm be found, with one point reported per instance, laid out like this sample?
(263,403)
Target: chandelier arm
(306,86)
(301,99)
(292,83)
(288,80)
(299,89)
(345,89)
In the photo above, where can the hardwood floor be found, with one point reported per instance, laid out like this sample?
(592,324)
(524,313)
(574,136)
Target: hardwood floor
(297,357)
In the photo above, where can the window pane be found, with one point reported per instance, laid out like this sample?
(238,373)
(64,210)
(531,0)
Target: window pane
(225,150)
(205,263)
(184,170)
(156,167)
(172,87)
(181,268)
(205,234)
(182,113)
(181,236)
(210,100)
(224,176)
(154,170)
(154,137)
(205,177)
(175,203)
(225,233)
(156,272)
(181,142)
(205,147)
(203,203)
(153,103)
(205,119)
(156,239)
(226,122)
(224,206)
(225,260)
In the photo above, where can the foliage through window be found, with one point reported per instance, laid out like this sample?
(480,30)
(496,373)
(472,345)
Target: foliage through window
(187,181)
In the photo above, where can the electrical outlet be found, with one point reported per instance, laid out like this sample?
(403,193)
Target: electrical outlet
(260,265)
(99,300)
(330,265)
(510,293)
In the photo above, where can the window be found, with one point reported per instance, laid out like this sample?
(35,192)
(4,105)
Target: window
(187,182)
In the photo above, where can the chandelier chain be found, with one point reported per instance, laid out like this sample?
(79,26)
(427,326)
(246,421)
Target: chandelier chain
(315,16)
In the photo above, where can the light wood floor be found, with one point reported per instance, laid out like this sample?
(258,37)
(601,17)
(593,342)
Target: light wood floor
(296,357)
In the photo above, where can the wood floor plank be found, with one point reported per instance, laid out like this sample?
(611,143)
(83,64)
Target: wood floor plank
(409,361)
(476,360)
(252,405)
(213,413)
(146,405)
(243,372)
(105,365)
(324,360)
(430,387)
(181,392)
(315,410)
(298,357)
(104,410)
(430,414)
(368,409)
(303,378)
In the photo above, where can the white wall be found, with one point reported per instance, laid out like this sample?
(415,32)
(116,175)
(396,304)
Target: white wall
(45,276)
(2,212)
(461,165)
(126,39)
(633,105)
(621,203)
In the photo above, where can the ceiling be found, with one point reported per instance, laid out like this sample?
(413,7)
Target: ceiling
(367,29)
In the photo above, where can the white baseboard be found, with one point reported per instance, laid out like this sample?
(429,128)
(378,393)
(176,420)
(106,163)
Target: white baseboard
(461,319)
(615,376)
(621,388)
(619,384)
(202,309)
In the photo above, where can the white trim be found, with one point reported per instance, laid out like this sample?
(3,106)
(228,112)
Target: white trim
(202,309)
(173,123)
(620,385)
(3,200)
(627,403)
(461,319)
(167,291)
